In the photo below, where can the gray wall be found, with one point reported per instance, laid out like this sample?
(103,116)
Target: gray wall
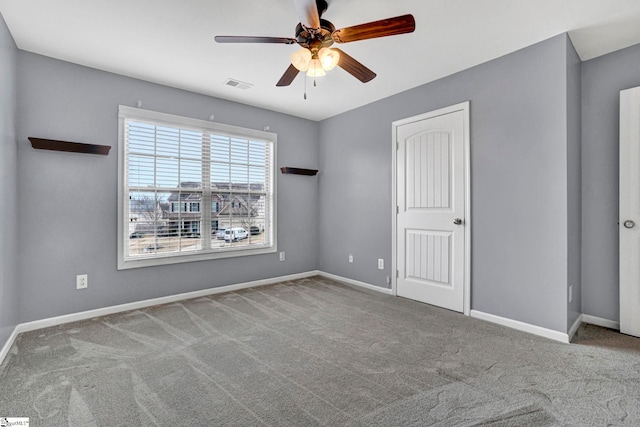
(602,80)
(8,189)
(68,201)
(525,124)
(574,183)
(519,182)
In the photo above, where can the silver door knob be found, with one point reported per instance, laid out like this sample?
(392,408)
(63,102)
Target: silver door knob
(629,224)
(457,221)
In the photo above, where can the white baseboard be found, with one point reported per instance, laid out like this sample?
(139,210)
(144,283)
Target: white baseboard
(7,345)
(592,320)
(599,321)
(90,314)
(574,328)
(355,283)
(521,326)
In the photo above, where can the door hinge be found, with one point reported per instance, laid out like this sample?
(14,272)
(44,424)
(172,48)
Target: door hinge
(397,273)
(397,210)
(397,145)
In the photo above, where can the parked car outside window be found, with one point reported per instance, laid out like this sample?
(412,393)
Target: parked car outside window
(234,234)
(220,232)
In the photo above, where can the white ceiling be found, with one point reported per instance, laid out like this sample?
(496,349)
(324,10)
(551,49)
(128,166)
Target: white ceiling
(171,42)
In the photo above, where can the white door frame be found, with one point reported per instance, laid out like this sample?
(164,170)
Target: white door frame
(464,107)
(629,207)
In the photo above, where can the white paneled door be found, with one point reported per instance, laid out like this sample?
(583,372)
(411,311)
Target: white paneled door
(629,222)
(431,221)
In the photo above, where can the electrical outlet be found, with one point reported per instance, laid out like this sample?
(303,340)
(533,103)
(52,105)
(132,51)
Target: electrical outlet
(281,256)
(380,264)
(350,259)
(82,281)
(571,293)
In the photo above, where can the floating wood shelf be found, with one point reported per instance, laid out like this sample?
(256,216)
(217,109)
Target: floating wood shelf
(298,171)
(74,147)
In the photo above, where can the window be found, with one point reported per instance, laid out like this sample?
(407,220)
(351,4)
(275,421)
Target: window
(178,207)
(170,167)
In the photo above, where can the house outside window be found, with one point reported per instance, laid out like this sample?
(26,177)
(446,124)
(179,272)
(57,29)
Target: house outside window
(170,167)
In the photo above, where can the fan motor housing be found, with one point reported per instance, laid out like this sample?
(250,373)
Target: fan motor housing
(315,39)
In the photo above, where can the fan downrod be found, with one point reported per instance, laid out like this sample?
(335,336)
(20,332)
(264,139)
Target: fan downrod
(322,7)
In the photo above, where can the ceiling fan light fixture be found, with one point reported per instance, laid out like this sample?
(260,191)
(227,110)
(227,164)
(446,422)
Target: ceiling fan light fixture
(314,35)
(301,59)
(315,68)
(328,58)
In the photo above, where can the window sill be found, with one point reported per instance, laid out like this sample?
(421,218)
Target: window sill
(157,260)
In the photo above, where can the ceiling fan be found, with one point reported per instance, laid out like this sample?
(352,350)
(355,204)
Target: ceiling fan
(315,35)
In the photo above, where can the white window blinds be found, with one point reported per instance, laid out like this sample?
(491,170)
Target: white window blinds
(185,182)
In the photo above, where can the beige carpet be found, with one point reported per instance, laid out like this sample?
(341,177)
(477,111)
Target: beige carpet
(315,352)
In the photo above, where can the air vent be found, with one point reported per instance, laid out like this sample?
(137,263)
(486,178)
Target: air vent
(238,84)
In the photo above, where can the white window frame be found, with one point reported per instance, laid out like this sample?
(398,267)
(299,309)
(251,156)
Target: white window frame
(130,113)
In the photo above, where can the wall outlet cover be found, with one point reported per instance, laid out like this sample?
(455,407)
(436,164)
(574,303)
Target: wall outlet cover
(82,281)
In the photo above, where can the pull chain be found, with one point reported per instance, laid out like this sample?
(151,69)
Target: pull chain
(305,86)
(315,73)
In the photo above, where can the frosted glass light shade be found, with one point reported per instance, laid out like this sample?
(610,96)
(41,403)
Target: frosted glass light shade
(328,58)
(315,69)
(301,59)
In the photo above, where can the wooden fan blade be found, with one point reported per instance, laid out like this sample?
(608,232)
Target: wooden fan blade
(251,39)
(383,28)
(308,13)
(353,67)
(288,76)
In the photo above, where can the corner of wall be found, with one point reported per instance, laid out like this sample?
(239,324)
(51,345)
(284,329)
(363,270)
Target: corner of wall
(8,189)
(574,184)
